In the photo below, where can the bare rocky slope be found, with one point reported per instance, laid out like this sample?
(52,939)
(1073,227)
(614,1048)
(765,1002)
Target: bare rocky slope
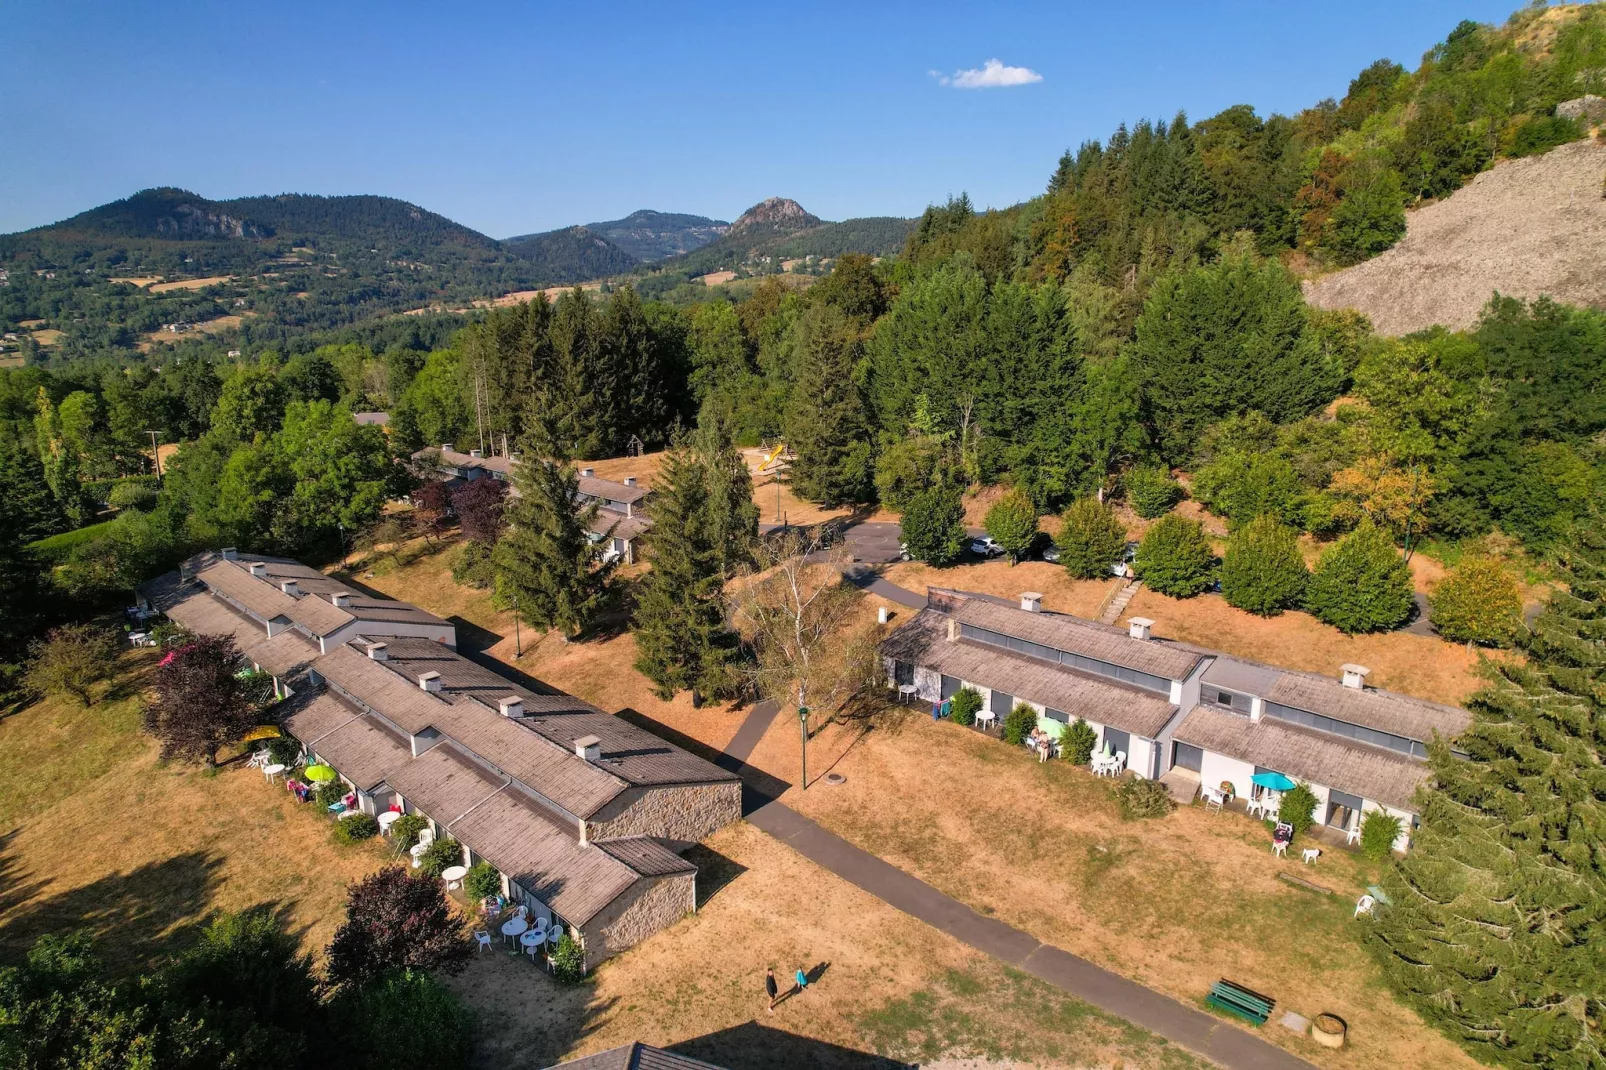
(1526,228)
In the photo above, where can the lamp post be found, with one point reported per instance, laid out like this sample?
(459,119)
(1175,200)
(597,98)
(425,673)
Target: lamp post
(803,721)
(518,637)
(156,456)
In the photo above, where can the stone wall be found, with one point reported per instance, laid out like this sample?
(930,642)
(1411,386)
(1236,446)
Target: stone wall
(682,815)
(651,904)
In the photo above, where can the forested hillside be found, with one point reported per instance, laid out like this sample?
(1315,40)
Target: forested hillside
(650,236)
(574,254)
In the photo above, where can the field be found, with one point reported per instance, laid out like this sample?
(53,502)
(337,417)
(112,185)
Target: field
(212,326)
(57,547)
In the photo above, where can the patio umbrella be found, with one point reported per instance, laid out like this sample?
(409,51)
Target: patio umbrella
(262,731)
(1274,781)
(319,773)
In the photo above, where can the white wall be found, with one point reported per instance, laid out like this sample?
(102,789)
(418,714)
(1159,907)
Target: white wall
(1215,768)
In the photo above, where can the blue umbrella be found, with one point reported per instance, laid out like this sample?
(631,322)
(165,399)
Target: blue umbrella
(1274,781)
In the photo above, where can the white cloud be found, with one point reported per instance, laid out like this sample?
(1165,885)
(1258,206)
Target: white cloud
(990,75)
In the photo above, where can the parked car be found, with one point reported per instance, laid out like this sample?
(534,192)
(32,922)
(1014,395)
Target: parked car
(1123,567)
(984,546)
(903,552)
(1051,554)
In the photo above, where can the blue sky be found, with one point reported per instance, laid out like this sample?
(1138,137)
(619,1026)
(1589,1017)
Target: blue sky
(512,118)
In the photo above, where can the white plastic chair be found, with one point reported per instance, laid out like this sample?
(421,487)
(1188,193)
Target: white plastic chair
(543,919)
(1279,848)
(483,937)
(1352,836)
(1215,802)
(1254,807)
(1120,762)
(1364,905)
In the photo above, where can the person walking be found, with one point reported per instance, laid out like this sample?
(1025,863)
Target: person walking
(771,988)
(802,980)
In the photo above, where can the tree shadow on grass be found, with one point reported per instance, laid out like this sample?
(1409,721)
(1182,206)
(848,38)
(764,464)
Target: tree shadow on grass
(135,918)
(753,1046)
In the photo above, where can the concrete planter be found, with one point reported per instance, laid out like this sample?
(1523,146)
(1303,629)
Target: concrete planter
(1329,1030)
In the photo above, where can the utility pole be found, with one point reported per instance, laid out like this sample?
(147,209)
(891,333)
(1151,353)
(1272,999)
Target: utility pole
(156,455)
(1410,515)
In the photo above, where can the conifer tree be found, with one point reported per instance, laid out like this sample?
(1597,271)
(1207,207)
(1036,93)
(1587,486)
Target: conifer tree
(682,642)
(1263,571)
(31,511)
(1361,584)
(548,567)
(1499,909)
(826,424)
(730,515)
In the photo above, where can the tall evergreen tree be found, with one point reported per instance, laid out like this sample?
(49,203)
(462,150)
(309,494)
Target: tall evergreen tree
(682,642)
(826,425)
(1499,910)
(730,514)
(31,511)
(548,567)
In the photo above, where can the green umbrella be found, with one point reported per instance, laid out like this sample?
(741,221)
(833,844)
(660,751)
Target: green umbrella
(319,773)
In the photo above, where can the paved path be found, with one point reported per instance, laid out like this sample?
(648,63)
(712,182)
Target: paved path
(1195,1030)
(868,580)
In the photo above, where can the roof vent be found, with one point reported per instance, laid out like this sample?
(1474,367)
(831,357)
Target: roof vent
(512,706)
(1139,627)
(376,652)
(257,568)
(229,553)
(589,748)
(587,473)
(429,681)
(1355,675)
(289,587)
(446,447)
(630,481)
(340,598)
(1031,601)
(476,453)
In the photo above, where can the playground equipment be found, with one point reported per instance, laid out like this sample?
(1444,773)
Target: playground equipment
(771,458)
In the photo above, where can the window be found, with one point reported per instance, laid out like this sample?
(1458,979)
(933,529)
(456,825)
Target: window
(1230,699)
(1000,703)
(1056,715)
(1187,756)
(950,687)
(1342,809)
(1117,741)
(1064,657)
(1336,727)
(903,673)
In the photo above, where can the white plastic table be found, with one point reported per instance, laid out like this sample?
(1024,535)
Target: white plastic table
(387,819)
(532,938)
(453,874)
(986,717)
(906,692)
(271,771)
(515,926)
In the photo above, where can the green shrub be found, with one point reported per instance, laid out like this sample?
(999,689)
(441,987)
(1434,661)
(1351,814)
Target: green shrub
(329,792)
(404,832)
(1090,540)
(405,1020)
(1241,486)
(1175,558)
(1012,522)
(964,706)
(1477,603)
(1263,571)
(1361,584)
(1543,133)
(134,496)
(71,660)
(1151,491)
(440,856)
(1378,833)
(285,749)
(568,961)
(1077,742)
(471,565)
(1298,808)
(1140,798)
(933,525)
(483,881)
(356,829)
(1019,722)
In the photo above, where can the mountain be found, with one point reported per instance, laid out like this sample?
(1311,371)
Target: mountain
(780,227)
(651,236)
(573,254)
(776,215)
(1525,228)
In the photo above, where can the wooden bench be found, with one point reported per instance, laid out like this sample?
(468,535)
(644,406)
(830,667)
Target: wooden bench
(1240,1002)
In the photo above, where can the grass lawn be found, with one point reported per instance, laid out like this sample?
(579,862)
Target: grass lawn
(57,547)
(1175,903)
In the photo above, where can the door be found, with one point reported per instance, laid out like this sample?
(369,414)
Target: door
(1187,756)
(903,672)
(1341,810)
(1000,703)
(950,687)
(1117,741)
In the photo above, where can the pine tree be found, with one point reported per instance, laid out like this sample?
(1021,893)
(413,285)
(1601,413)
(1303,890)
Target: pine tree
(731,515)
(1361,584)
(1263,571)
(1499,910)
(31,511)
(682,642)
(548,567)
(826,424)
(1090,539)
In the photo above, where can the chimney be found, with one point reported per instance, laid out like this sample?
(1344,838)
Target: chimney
(257,568)
(376,652)
(476,453)
(1031,602)
(588,747)
(630,481)
(340,598)
(1138,627)
(587,473)
(429,681)
(289,587)
(512,706)
(446,447)
(1355,676)
(229,553)
(953,630)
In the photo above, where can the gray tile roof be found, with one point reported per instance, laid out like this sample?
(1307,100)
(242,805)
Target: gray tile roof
(363,751)
(618,526)
(1078,636)
(646,856)
(594,487)
(444,783)
(635,1056)
(314,609)
(1368,707)
(203,614)
(628,752)
(1246,677)
(923,641)
(388,693)
(558,774)
(1374,773)
(461,675)
(316,717)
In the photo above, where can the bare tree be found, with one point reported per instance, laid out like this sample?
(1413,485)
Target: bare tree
(804,623)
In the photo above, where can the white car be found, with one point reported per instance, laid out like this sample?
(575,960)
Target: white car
(1123,567)
(984,546)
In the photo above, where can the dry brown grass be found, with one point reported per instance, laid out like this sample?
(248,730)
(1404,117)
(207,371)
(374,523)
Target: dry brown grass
(47,336)
(716,278)
(1060,592)
(190,284)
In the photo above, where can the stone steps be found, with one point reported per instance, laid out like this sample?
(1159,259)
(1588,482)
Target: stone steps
(1118,604)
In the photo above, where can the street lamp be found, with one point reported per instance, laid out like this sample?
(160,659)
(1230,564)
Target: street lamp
(518,638)
(803,721)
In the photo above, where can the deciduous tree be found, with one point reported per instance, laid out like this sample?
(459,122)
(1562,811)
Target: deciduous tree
(1175,557)
(932,527)
(1090,540)
(1012,523)
(1263,571)
(201,702)
(1477,602)
(1361,584)
(395,920)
